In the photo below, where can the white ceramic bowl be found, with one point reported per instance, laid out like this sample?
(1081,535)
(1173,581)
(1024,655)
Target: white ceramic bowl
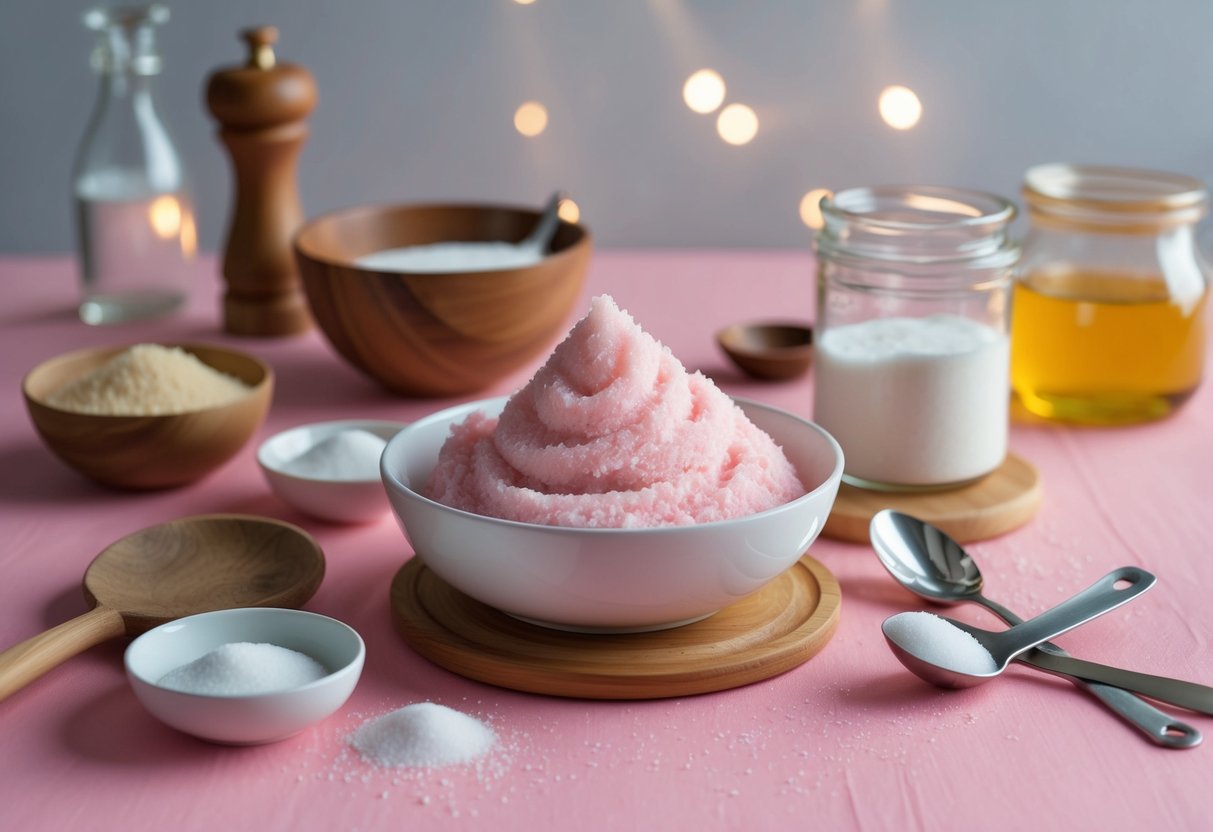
(337,501)
(246,720)
(609,579)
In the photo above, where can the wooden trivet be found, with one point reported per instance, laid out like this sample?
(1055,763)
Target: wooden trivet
(766,633)
(1003,500)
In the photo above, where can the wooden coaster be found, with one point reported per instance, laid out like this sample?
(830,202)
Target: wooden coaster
(766,633)
(995,504)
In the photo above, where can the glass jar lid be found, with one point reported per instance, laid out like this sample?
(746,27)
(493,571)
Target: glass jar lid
(917,224)
(1102,197)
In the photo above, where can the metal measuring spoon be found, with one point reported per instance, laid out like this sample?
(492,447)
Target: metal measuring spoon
(1105,595)
(924,560)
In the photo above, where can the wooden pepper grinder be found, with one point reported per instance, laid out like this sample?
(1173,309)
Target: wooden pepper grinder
(261,108)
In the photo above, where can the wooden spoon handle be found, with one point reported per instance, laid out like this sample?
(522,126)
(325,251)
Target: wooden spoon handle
(25,662)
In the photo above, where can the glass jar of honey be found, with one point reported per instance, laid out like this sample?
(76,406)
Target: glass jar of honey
(1108,322)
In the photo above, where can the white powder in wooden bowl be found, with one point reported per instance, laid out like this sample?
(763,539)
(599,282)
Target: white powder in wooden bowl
(149,380)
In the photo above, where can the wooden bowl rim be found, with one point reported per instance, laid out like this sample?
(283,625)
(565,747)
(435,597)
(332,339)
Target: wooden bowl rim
(267,376)
(309,250)
(728,341)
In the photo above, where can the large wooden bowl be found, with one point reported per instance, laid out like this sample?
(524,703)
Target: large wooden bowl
(437,334)
(147,452)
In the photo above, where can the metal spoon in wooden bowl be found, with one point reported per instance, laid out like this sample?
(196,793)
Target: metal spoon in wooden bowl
(773,351)
(168,571)
(541,235)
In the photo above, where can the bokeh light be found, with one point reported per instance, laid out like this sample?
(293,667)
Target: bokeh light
(568,211)
(704,91)
(810,207)
(189,235)
(531,118)
(737,124)
(165,216)
(899,107)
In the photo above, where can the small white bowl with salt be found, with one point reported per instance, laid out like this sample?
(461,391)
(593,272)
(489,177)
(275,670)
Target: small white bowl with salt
(330,470)
(245,676)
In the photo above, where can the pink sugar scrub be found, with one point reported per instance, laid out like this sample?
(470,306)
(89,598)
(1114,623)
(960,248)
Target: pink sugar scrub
(613,432)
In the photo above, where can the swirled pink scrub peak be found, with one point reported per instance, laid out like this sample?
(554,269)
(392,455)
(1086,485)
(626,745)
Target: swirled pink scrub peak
(613,432)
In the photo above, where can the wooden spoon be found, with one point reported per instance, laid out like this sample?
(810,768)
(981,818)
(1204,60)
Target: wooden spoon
(175,569)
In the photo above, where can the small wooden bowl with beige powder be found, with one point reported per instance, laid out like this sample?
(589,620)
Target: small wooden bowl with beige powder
(148,416)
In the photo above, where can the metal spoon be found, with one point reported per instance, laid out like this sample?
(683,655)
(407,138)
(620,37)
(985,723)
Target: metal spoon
(933,566)
(1105,595)
(541,235)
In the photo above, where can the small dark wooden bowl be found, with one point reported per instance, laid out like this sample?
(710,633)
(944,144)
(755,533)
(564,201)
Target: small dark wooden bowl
(147,452)
(767,350)
(437,334)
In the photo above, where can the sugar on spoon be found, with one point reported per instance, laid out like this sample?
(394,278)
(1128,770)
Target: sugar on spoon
(927,562)
(940,650)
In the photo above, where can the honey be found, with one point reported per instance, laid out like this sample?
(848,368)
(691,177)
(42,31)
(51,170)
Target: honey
(1104,348)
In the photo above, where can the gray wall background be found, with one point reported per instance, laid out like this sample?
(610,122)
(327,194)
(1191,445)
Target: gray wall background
(417,100)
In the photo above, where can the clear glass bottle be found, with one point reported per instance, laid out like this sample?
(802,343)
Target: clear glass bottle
(912,357)
(134,219)
(1109,321)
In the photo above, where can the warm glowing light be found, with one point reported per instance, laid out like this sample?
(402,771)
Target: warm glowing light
(737,124)
(941,205)
(524,2)
(531,118)
(899,107)
(810,207)
(568,211)
(165,216)
(189,235)
(704,91)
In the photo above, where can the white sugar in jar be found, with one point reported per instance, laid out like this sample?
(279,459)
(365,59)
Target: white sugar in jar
(911,373)
(915,401)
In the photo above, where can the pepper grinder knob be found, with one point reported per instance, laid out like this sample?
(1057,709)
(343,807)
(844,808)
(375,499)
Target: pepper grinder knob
(261,40)
(261,109)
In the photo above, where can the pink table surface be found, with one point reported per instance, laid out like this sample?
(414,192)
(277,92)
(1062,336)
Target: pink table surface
(849,740)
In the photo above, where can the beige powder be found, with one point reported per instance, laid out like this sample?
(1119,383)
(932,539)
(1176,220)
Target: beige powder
(149,380)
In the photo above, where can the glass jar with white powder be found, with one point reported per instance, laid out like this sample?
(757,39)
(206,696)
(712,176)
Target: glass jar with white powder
(912,358)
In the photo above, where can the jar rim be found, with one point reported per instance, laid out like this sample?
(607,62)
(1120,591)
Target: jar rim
(126,42)
(917,225)
(1111,189)
(918,208)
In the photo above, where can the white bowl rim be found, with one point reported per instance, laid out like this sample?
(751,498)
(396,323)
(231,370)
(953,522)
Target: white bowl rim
(358,659)
(335,425)
(392,481)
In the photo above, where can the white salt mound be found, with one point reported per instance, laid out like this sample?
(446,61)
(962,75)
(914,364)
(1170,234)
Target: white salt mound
(422,735)
(935,640)
(149,380)
(346,455)
(243,668)
(445,258)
